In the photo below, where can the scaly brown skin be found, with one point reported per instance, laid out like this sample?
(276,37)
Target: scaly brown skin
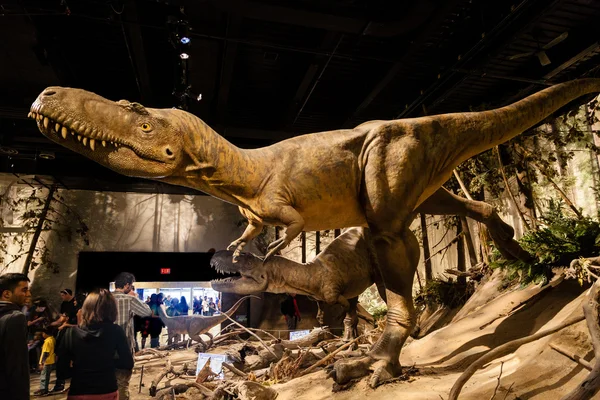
(376,174)
(196,325)
(341,272)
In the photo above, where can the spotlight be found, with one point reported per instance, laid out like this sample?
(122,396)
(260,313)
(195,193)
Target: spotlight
(185,40)
(184,56)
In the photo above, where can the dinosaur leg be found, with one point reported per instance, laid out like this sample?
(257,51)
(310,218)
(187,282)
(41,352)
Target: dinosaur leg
(351,320)
(198,339)
(398,256)
(442,202)
(320,313)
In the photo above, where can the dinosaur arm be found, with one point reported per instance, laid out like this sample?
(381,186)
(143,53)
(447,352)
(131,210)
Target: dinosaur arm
(253,229)
(294,224)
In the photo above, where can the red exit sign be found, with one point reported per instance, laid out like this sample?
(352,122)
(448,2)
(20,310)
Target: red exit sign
(165,271)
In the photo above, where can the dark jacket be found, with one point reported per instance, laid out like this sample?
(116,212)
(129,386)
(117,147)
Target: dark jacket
(92,350)
(14,360)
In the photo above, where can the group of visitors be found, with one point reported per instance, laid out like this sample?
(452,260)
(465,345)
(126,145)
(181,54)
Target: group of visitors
(206,306)
(91,340)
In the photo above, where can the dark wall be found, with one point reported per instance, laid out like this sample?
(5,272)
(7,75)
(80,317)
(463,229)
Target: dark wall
(98,269)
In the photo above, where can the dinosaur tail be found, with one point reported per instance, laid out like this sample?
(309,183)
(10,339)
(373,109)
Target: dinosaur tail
(223,316)
(475,132)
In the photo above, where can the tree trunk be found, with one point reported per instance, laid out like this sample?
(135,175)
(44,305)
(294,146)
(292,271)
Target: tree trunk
(38,230)
(155,231)
(469,241)
(525,193)
(426,253)
(303,245)
(460,254)
(177,227)
(317,242)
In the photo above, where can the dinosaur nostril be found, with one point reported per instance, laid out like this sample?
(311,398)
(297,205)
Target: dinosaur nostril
(169,152)
(49,92)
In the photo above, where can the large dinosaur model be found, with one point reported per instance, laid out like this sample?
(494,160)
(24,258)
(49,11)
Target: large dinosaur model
(376,174)
(196,325)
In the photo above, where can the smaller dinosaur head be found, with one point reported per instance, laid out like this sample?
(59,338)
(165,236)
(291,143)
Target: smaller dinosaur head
(123,136)
(249,273)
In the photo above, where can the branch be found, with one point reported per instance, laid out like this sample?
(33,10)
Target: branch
(558,189)
(447,246)
(330,356)
(251,333)
(591,384)
(510,191)
(585,364)
(503,350)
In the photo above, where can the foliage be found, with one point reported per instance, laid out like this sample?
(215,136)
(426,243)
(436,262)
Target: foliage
(58,225)
(448,293)
(373,303)
(557,243)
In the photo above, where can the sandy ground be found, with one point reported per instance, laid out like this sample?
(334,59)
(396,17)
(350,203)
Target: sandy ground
(489,319)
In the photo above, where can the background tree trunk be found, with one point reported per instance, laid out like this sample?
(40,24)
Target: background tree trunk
(460,253)
(469,241)
(426,252)
(38,230)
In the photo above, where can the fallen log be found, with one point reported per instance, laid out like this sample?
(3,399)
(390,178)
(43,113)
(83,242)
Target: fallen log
(167,392)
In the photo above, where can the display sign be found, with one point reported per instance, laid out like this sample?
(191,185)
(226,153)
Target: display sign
(216,363)
(165,271)
(298,334)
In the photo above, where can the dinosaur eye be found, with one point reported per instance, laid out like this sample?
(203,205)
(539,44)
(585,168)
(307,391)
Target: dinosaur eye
(146,127)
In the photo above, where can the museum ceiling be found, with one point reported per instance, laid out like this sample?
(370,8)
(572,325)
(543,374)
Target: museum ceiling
(264,70)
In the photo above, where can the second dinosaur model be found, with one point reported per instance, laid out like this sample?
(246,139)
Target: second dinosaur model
(376,174)
(196,325)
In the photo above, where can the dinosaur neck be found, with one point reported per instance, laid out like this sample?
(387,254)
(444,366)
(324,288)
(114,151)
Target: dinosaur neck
(216,166)
(287,276)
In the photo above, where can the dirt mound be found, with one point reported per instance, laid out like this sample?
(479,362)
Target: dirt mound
(490,319)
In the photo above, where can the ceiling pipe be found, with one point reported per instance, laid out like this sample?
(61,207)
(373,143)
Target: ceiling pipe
(310,92)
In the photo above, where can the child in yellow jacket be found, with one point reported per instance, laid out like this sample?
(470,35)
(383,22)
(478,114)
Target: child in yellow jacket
(47,360)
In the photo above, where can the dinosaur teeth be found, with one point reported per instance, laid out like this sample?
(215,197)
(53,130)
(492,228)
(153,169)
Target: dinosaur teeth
(40,117)
(79,138)
(57,127)
(104,143)
(63,132)
(92,144)
(46,121)
(29,114)
(85,141)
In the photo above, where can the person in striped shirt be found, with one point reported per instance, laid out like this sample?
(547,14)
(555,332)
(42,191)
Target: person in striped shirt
(127,307)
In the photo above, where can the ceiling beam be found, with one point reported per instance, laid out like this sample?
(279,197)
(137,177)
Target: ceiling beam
(411,18)
(132,34)
(528,12)
(309,77)
(416,45)
(234,23)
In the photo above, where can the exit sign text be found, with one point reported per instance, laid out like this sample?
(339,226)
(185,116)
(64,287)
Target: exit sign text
(165,271)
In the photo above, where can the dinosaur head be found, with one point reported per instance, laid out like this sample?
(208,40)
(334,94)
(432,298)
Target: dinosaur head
(123,136)
(249,273)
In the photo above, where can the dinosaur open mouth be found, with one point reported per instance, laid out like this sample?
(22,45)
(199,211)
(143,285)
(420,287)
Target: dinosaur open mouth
(226,276)
(75,131)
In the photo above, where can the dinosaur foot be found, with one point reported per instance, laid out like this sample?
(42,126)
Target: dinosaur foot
(347,370)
